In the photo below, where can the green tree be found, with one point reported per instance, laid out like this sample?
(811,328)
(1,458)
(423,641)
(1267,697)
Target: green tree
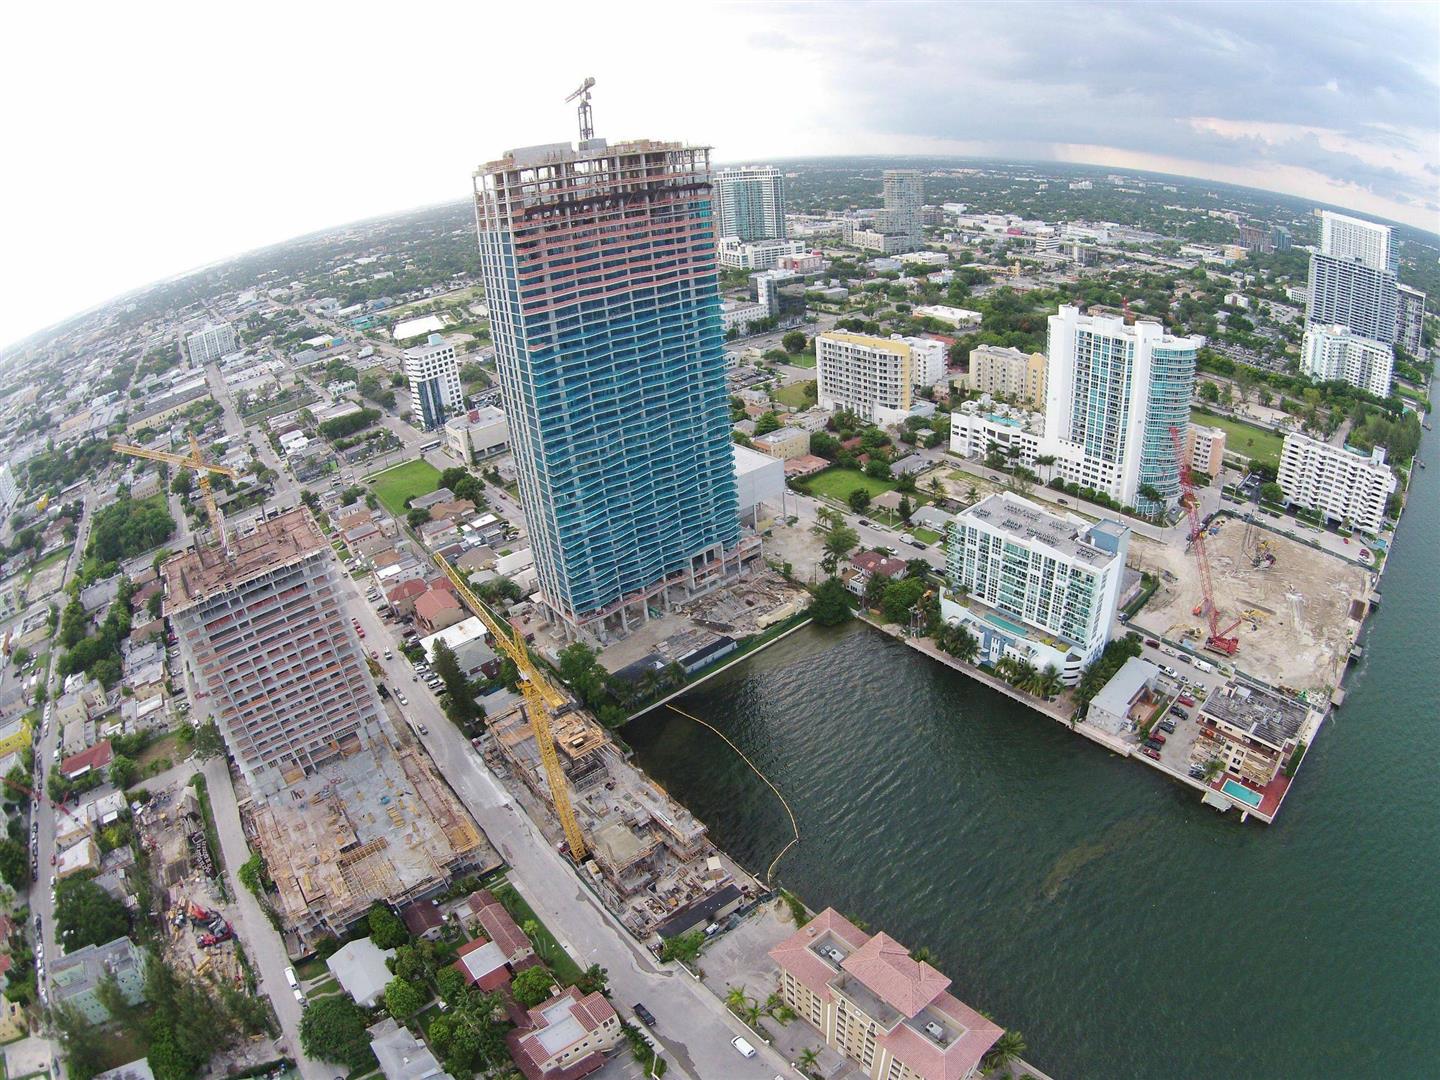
(416,517)
(1272,492)
(403,999)
(767,423)
(123,771)
(1006,1049)
(899,597)
(859,500)
(208,741)
(793,342)
(906,508)
(532,986)
(684,947)
(451,985)
(386,929)
(838,544)
(252,874)
(13,868)
(333,1029)
(82,1043)
(831,603)
(1208,391)
(85,914)
(593,980)
(461,705)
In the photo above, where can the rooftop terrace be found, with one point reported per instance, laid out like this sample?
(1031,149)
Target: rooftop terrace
(1026,521)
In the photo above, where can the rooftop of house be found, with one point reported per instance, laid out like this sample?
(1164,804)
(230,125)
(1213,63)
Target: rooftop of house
(83,969)
(498,924)
(435,602)
(872,562)
(95,757)
(401,1055)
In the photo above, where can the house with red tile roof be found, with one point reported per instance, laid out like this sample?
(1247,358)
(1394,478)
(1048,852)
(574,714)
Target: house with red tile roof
(435,609)
(483,964)
(403,596)
(499,927)
(566,1037)
(872,1002)
(95,758)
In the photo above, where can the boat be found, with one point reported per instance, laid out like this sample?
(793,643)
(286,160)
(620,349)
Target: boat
(1420,463)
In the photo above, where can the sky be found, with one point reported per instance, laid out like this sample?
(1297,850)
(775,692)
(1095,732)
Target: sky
(151,138)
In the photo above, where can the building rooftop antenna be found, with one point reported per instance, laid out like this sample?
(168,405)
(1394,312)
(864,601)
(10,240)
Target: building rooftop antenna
(587,118)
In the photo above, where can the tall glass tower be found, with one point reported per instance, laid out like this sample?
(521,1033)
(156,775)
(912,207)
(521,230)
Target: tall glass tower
(600,274)
(750,203)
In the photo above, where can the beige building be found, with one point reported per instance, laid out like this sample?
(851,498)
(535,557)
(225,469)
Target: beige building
(1252,732)
(870,1001)
(784,443)
(870,376)
(570,1032)
(1205,450)
(1007,373)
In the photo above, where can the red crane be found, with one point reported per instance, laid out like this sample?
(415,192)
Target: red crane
(1219,640)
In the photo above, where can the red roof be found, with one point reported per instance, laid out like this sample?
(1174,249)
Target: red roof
(405,590)
(885,966)
(95,757)
(420,917)
(872,562)
(498,924)
(433,603)
(482,967)
(589,1011)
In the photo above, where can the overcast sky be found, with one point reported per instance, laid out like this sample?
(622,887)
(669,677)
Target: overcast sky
(145,139)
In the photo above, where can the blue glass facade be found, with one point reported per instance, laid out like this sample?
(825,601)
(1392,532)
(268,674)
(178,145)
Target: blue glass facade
(1172,376)
(606,317)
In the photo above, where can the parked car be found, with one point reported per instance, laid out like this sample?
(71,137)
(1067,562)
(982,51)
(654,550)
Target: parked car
(1150,752)
(401,698)
(644,1014)
(743,1045)
(1187,701)
(1168,725)
(1155,736)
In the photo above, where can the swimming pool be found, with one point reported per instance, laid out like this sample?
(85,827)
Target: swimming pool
(1241,792)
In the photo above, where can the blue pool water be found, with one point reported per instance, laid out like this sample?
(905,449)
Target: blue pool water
(1241,792)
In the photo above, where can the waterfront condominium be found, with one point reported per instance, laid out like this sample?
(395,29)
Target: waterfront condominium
(1356,240)
(1410,319)
(210,343)
(1352,278)
(266,641)
(600,273)
(433,373)
(1007,559)
(1114,390)
(1344,484)
(750,203)
(1332,353)
(872,1002)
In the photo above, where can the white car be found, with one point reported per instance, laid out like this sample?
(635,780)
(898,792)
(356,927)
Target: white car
(742,1044)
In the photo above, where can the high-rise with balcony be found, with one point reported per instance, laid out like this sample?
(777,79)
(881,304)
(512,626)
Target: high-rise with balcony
(1410,319)
(903,191)
(1332,353)
(750,203)
(1356,240)
(1114,390)
(1352,278)
(263,634)
(433,373)
(210,343)
(600,273)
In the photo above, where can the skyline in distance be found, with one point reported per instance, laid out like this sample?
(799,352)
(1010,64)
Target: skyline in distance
(191,137)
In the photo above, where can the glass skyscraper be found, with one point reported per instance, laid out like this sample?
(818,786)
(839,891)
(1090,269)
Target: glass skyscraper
(600,274)
(750,203)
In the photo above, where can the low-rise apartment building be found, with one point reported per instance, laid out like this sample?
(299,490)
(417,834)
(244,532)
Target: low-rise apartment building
(75,978)
(1007,373)
(1340,482)
(873,1003)
(1333,353)
(977,426)
(784,443)
(1205,449)
(569,1033)
(1251,731)
(1058,574)
(477,434)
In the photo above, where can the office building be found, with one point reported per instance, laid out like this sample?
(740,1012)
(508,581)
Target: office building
(750,203)
(1355,240)
(75,978)
(768,286)
(1205,449)
(1007,373)
(873,1003)
(1114,391)
(266,640)
(210,343)
(736,254)
(873,377)
(960,318)
(616,395)
(1345,292)
(1332,353)
(1340,482)
(1057,573)
(1410,319)
(476,434)
(433,373)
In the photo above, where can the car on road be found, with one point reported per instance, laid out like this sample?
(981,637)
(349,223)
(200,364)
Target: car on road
(644,1014)
(1168,670)
(401,698)
(743,1045)
(1152,643)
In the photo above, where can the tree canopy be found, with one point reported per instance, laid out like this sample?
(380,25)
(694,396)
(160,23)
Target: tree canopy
(333,1029)
(85,914)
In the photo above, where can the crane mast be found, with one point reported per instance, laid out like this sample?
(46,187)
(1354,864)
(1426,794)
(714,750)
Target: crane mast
(1219,640)
(542,700)
(587,118)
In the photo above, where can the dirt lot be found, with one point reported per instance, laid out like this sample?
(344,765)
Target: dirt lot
(1300,631)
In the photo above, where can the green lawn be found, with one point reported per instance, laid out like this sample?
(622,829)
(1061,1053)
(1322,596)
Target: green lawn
(804,359)
(548,949)
(311,969)
(794,395)
(1259,444)
(167,746)
(927,536)
(1410,392)
(839,483)
(394,486)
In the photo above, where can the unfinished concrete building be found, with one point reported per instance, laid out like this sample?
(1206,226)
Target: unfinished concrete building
(267,643)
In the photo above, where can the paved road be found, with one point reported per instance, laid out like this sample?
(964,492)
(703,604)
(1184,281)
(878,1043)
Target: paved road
(692,1024)
(263,944)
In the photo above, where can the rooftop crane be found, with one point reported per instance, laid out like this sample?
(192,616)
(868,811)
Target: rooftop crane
(542,700)
(202,468)
(587,119)
(1219,640)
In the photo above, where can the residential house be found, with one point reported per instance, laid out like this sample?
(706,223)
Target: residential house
(401,1055)
(566,1036)
(499,927)
(435,609)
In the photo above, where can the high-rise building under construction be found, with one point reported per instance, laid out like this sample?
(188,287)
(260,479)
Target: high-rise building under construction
(600,273)
(263,632)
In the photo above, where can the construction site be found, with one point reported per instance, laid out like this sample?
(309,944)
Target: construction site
(379,824)
(1294,611)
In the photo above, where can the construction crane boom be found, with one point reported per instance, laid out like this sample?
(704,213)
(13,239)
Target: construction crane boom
(587,119)
(1219,640)
(542,700)
(202,469)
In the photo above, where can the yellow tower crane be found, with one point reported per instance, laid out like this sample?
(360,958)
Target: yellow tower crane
(542,700)
(202,468)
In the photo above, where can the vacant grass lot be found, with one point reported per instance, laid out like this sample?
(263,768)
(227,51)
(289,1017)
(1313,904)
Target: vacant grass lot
(394,486)
(1261,445)
(839,483)
(794,395)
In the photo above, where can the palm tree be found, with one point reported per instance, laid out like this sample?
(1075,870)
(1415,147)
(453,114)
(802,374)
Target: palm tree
(1045,461)
(773,1003)
(1021,673)
(937,488)
(1049,683)
(971,494)
(808,1058)
(735,1000)
(751,1015)
(1007,1048)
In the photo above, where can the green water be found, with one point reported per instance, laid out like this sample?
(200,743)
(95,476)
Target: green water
(1126,930)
